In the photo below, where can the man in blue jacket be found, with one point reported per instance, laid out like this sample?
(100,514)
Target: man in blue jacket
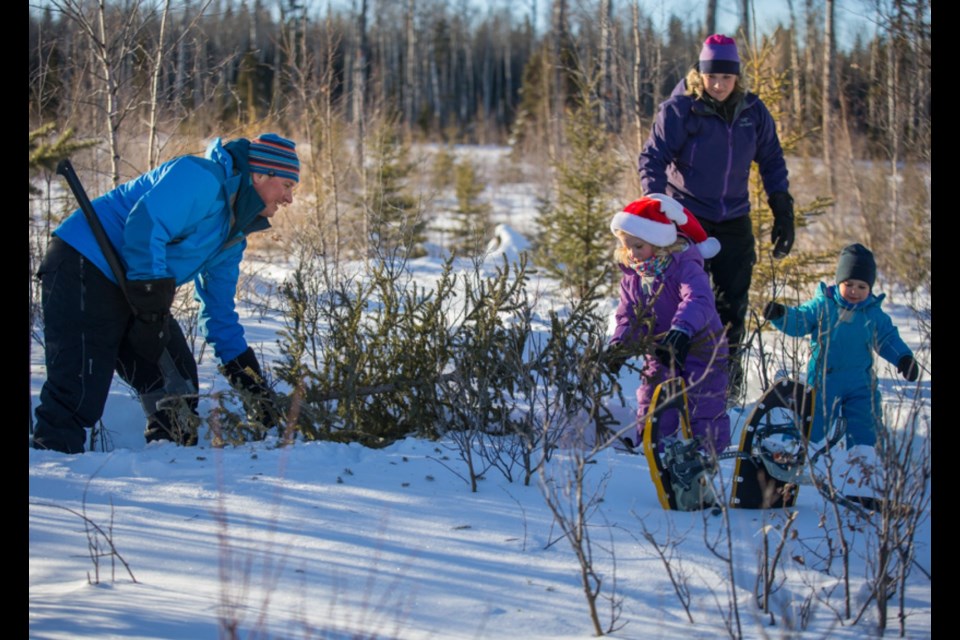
(701,146)
(187,220)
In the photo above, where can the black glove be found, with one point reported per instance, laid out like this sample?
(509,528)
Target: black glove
(774,310)
(149,333)
(781,204)
(672,350)
(909,368)
(259,400)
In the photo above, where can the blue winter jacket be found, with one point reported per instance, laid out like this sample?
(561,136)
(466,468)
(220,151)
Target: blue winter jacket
(176,221)
(697,158)
(843,337)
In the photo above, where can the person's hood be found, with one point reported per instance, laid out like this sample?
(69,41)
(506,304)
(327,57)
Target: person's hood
(247,203)
(832,292)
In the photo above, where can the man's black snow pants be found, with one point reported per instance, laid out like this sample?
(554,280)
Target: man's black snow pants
(85,322)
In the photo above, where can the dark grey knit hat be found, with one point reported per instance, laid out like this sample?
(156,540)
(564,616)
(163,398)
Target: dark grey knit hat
(856,263)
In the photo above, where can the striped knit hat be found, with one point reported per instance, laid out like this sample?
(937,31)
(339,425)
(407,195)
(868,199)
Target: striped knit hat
(719,55)
(274,156)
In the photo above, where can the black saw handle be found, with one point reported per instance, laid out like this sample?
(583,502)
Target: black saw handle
(173,382)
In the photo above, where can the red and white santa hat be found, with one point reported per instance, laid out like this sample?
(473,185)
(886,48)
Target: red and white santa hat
(656,218)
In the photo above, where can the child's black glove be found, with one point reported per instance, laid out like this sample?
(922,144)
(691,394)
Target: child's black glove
(909,368)
(774,310)
(672,350)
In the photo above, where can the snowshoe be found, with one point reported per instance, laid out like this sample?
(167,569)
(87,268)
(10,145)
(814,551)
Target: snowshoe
(690,472)
(680,471)
(772,452)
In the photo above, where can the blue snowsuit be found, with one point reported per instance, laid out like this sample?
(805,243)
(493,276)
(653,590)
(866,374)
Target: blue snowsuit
(843,339)
(187,219)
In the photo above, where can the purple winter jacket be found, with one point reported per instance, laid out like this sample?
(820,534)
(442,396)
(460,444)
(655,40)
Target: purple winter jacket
(694,156)
(685,302)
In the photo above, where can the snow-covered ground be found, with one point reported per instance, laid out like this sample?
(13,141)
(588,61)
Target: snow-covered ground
(325,540)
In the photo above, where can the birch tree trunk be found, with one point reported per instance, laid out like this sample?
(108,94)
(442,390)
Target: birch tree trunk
(153,152)
(360,86)
(918,89)
(359,90)
(110,94)
(410,66)
(829,92)
(558,27)
(796,73)
(637,75)
(894,128)
(744,30)
(607,56)
(809,64)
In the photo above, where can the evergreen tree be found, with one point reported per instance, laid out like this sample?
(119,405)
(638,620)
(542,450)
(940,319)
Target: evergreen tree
(795,274)
(395,220)
(45,154)
(472,214)
(575,241)
(529,128)
(444,163)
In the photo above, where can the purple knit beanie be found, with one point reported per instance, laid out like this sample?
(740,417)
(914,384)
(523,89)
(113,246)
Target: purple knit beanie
(719,55)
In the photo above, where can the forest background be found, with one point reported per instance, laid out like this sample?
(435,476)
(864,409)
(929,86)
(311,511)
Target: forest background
(139,82)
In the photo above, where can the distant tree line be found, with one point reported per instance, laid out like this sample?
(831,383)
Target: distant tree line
(448,69)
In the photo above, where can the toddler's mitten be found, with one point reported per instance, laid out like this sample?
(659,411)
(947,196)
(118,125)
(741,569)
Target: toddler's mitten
(909,368)
(774,310)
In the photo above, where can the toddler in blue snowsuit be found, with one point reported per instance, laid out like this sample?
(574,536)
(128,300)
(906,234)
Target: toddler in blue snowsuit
(846,327)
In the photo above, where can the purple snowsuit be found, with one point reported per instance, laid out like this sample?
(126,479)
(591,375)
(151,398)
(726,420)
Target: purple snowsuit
(685,301)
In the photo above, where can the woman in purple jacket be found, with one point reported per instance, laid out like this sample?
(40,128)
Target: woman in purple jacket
(701,146)
(666,294)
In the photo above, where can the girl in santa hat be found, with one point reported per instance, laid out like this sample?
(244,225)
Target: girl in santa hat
(665,294)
